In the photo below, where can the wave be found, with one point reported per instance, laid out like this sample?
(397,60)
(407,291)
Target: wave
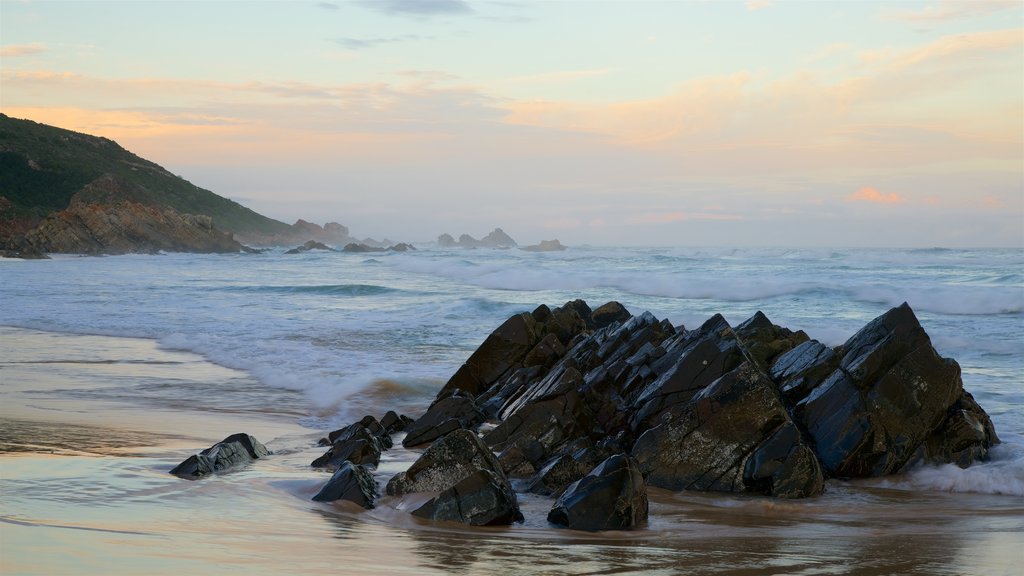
(326,290)
(952,300)
(1004,475)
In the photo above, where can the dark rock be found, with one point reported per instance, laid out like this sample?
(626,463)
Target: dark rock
(579,458)
(480,499)
(310,245)
(504,349)
(611,497)
(546,246)
(445,463)
(763,341)
(496,239)
(361,248)
(457,410)
(401,247)
(350,482)
(355,443)
(609,314)
(446,241)
(392,422)
(802,368)
(235,450)
(891,393)
(735,435)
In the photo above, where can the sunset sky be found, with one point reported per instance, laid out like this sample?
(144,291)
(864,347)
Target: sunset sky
(657,123)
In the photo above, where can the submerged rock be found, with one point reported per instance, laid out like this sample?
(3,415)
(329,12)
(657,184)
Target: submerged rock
(350,482)
(611,497)
(235,450)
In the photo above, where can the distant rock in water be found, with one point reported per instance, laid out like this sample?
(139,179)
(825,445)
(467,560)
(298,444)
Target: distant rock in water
(546,246)
(102,219)
(235,450)
(363,248)
(496,239)
(311,245)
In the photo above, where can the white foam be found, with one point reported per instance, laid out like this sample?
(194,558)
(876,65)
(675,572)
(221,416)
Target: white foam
(1003,475)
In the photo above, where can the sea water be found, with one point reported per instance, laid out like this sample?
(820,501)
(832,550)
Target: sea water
(174,351)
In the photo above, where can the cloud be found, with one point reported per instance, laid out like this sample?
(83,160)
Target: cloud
(418,7)
(363,43)
(327,5)
(16,50)
(758,4)
(869,194)
(558,76)
(669,217)
(949,10)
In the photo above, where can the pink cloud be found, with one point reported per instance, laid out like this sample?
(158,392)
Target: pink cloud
(869,194)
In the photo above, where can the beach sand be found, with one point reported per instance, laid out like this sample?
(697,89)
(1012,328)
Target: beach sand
(90,425)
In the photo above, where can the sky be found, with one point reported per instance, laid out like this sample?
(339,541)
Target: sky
(682,123)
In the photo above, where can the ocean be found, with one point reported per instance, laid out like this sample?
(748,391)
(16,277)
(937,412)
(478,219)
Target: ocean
(113,369)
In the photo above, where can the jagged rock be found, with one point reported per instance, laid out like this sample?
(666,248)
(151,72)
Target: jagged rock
(350,482)
(445,463)
(546,246)
(735,435)
(496,239)
(401,247)
(891,393)
(310,245)
(504,349)
(235,450)
(757,408)
(355,443)
(452,412)
(611,497)
(480,499)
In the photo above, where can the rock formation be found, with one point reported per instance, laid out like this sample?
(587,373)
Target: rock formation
(591,406)
(546,246)
(311,245)
(496,239)
(235,450)
(101,221)
(350,482)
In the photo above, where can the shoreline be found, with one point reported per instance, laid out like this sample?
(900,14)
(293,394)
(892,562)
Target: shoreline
(126,507)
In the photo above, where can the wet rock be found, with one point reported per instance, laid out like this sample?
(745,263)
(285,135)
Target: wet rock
(892,392)
(480,499)
(763,341)
(350,482)
(445,463)
(459,410)
(611,497)
(235,450)
(733,436)
(799,370)
(355,443)
(502,351)
(393,422)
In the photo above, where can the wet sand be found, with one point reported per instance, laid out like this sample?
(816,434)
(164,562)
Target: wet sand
(90,425)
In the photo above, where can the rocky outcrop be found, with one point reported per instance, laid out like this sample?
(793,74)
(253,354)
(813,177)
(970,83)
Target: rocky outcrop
(590,405)
(360,248)
(350,482)
(612,496)
(233,451)
(757,408)
(546,246)
(497,238)
(311,245)
(331,233)
(359,443)
(120,226)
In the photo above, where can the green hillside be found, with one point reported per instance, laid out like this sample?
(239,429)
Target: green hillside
(42,167)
